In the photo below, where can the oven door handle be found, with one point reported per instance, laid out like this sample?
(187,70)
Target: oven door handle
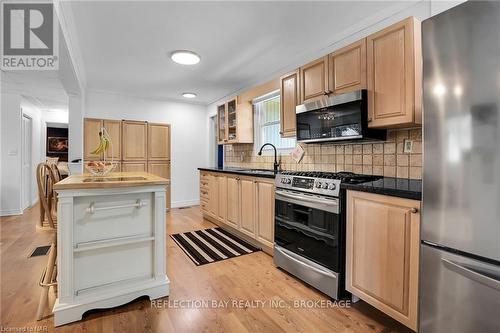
(301,262)
(314,202)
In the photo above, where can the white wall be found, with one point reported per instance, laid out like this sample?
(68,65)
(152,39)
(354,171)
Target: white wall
(13,107)
(10,112)
(75,132)
(37,144)
(189,135)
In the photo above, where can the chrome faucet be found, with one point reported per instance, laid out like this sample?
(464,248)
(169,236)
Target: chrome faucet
(276,164)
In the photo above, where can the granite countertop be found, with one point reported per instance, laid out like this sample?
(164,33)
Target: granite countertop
(242,171)
(112,180)
(396,187)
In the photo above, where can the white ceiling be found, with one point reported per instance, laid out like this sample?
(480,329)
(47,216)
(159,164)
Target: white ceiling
(125,44)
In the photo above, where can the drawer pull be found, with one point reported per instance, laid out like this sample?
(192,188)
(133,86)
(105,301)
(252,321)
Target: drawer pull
(139,203)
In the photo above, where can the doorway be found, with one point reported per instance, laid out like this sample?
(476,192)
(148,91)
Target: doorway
(26,147)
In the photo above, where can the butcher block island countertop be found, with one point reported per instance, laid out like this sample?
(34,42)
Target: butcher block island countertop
(111,246)
(112,180)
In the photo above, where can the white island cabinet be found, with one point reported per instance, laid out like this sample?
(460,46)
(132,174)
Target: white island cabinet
(110,242)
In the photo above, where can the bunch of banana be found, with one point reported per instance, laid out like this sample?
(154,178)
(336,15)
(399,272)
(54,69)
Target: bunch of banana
(104,144)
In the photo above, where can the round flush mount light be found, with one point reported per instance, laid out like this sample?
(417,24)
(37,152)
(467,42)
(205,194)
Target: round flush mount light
(189,95)
(185,57)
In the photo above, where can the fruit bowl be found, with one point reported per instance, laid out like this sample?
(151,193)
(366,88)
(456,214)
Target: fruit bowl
(100,168)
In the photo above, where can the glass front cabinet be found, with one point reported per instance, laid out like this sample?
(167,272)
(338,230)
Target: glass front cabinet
(234,122)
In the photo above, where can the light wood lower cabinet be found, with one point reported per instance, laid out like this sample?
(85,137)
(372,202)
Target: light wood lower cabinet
(245,204)
(161,169)
(382,253)
(139,166)
(265,212)
(221,197)
(204,192)
(247,216)
(213,195)
(233,201)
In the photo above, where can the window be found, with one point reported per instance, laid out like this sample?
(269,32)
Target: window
(267,123)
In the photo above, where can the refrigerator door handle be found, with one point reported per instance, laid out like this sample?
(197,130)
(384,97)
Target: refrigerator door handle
(472,274)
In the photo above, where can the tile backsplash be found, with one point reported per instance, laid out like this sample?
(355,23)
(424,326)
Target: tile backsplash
(381,158)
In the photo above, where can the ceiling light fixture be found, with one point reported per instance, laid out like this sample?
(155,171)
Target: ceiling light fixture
(185,57)
(189,95)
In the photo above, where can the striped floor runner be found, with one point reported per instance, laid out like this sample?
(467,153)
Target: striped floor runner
(211,245)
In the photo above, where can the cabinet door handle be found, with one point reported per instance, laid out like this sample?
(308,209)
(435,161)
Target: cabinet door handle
(414,210)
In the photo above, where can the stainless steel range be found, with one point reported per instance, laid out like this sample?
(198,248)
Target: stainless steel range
(310,227)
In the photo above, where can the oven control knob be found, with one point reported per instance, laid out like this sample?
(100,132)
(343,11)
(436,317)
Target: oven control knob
(332,187)
(288,181)
(325,185)
(318,185)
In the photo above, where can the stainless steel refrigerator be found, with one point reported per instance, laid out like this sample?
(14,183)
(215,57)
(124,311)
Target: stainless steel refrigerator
(460,250)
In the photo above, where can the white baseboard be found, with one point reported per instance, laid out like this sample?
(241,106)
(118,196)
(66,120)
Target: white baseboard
(185,203)
(10,212)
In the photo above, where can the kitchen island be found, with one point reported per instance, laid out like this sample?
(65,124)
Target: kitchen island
(110,242)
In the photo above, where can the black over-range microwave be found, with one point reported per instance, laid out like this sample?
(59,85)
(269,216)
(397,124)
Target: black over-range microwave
(335,118)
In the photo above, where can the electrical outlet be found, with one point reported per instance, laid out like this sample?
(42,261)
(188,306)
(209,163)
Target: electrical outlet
(407,146)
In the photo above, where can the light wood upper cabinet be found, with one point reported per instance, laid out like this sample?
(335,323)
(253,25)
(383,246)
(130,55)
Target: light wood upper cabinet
(265,212)
(139,166)
(222,135)
(394,66)
(161,169)
(135,140)
(91,129)
(382,254)
(247,213)
(158,142)
(314,82)
(235,122)
(348,68)
(114,129)
(289,99)
(233,201)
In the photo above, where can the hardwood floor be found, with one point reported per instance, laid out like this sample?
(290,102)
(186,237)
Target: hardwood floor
(246,280)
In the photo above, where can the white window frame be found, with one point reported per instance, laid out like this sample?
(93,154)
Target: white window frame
(258,142)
